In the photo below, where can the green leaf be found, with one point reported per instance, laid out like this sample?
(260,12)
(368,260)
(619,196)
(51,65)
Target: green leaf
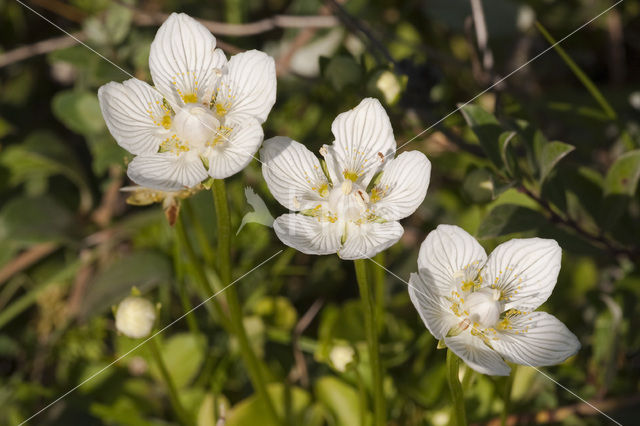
(79,111)
(487,129)
(620,185)
(35,220)
(40,156)
(341,399)
(106,153)
(142,269)
(252,411)
(504,142)
(183,354)
(510,218)
(112,28)
(550,154)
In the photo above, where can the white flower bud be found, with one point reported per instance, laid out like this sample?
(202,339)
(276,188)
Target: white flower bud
(135,317)
(341,356)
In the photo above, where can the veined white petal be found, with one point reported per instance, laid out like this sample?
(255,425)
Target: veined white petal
(368,239)
(184,62)
(432,307)
(477,355)
(248,89)
(537,339)
(403,185)
(308,234)
(293,174)
(236,149)
(363,140)
(525,270)
(444,252)
(167,171)
(134,112)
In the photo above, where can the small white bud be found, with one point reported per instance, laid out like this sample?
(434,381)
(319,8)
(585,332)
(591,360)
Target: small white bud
(135,317)
(341,356)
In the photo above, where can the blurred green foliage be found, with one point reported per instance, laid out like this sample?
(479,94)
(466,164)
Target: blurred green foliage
(537,155)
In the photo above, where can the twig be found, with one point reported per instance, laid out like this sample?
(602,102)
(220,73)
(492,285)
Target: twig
(482,35)
(248,29)
(558,414)
(26,259)
(39,48)
(300,371)
(358,26)
(571,223)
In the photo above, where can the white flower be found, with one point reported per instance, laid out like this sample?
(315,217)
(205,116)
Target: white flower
(483,307)
(203,117)
(352,203)
(135,317)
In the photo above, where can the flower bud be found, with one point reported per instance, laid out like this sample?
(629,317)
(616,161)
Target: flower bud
(135,317)
(341,356)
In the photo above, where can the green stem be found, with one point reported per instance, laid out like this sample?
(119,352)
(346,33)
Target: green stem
(453,363)
(235,311)
(507,396)
(584,79)
(201,277)
(378,274)
(201,235)
(181,413)
(369,308)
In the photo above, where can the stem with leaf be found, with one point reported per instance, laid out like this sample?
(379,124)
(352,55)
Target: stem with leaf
(453,364)
(235,311)
(369,308)
(181,413)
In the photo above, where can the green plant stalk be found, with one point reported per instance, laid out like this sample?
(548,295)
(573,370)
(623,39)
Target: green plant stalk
(371,329)
(378,274)
(182,291)
(235,311)
(181,413)
(584,79)
(457,397)
(201,235)
(507,396)
(201,276)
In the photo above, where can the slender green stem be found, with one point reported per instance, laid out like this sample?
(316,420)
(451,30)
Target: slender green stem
(378,273)
(235,311)
(181,413)
(507,396)
(369,308)
(453,364)
(584,79)
(200,274)
(362,397)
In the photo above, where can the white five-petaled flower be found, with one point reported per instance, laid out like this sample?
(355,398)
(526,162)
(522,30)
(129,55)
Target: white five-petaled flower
(351,203)
(483,307)
(203,117)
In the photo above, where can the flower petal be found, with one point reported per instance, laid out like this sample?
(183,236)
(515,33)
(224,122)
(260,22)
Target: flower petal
(248,89)
(432,307)
(368,239)
(133,112)
(525,270)
(166,171)
(184,62)
(293,174)
(444,252)
(236,150)
(308,234)
(537,339)
(403,185)
(363,140)
(477,355)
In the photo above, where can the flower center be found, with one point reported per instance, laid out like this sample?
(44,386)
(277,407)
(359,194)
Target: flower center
(349,201)
(483,306)
(195,125)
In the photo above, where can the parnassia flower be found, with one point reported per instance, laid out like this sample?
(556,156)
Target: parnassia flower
(135,317)
(203,117)
(351,202)
(483,308)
